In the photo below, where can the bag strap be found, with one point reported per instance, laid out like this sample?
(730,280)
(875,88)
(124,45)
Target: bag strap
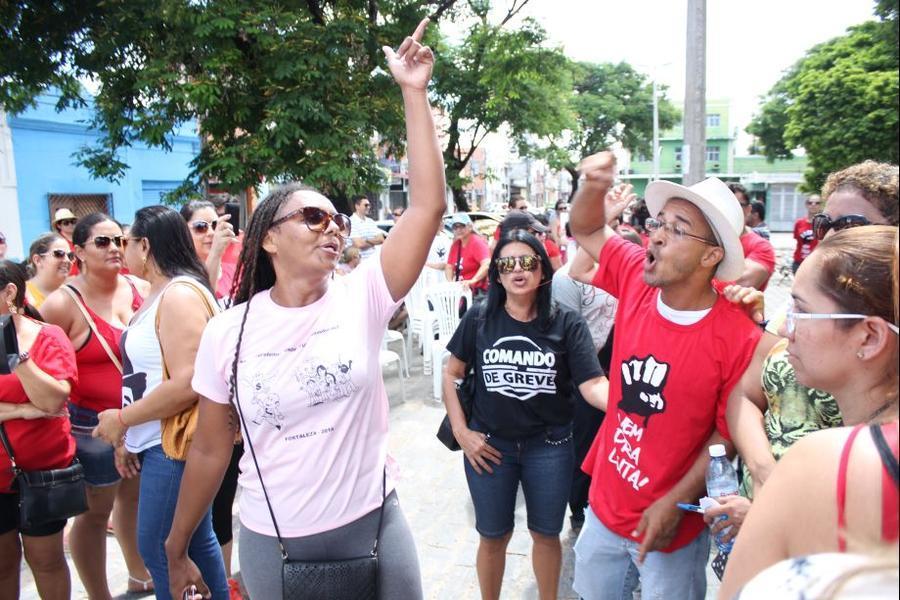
(79,302)
(210,312)
(5,441)
(888,459)
(458,271)
(237,402)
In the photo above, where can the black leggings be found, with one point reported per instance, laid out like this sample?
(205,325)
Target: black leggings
(222,503)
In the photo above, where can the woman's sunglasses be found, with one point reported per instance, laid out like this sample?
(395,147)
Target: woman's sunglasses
(317,219)
(507,264)
(203,226)
(67,222)
(822,224)
(103,241)
(60,254)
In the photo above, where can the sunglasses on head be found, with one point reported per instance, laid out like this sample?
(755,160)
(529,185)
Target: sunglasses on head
(317,219)
(60,254)
(822,224)
(67,222)
(528,262)
(103,241)
(203,226)
(2,239)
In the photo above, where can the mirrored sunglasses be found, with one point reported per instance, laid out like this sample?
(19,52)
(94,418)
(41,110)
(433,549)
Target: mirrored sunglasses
(528,262)
(203,226)
(103,241)
(316,219)
(822,224)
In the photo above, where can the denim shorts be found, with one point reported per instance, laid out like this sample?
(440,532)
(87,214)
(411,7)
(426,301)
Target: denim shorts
(97,457)
(543,464)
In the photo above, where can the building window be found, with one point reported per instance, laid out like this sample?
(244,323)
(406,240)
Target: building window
(678,154)
(80,204)
(712,154)
(713,120)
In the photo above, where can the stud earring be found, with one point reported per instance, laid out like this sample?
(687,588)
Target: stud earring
(860,355)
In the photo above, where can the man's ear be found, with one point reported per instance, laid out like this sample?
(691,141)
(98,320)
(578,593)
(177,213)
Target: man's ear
(712,257)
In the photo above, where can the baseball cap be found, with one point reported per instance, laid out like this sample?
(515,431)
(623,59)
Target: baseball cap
(722,210)
(517,219)
(460,218)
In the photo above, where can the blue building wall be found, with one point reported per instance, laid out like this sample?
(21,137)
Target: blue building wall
(44,142)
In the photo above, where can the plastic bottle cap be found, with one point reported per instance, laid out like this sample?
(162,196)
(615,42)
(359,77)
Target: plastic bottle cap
(717,450)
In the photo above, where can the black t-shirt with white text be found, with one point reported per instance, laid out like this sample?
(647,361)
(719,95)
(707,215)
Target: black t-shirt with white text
(523,375)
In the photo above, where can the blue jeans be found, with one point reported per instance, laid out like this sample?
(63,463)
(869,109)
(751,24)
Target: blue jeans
(160,481)
(543,464)
(96,456)
(606,566)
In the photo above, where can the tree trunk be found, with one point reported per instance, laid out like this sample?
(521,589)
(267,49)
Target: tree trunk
(459,199)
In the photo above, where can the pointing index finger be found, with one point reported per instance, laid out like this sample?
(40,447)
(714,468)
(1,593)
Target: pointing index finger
(420,30)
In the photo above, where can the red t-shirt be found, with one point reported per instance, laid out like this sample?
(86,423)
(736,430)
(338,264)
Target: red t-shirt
(669,387)
(39,443)
(473,254)
(806,239)
(551,248)
(759,250)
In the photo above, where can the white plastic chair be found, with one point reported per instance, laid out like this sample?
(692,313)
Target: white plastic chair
(391,336)
(445,300)
(386,357)
(417,320)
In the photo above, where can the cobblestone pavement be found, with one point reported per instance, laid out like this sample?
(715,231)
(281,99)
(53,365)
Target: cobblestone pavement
(435,499)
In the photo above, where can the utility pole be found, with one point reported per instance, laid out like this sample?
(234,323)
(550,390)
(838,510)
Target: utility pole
(655,132)
(694,148)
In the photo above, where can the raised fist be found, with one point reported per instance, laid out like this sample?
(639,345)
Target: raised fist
(643,380)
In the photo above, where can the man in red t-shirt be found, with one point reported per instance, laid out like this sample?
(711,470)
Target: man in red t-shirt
(679,350)
(759,254)
(469,256)
(803,231)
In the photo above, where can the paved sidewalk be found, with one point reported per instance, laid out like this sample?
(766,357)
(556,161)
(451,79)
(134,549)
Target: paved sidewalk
(435,500)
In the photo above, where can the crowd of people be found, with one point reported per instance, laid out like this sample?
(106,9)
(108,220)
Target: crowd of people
(608,347)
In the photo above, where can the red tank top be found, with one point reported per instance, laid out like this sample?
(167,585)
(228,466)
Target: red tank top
(99,384)
(887,441)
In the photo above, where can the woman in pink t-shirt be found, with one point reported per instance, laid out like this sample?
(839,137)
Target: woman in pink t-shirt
(296,363)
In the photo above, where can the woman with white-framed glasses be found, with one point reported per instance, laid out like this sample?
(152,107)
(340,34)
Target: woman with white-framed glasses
(836,490)
(48,265)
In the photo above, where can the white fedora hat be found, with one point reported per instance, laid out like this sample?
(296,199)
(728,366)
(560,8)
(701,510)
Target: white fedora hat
(721,209)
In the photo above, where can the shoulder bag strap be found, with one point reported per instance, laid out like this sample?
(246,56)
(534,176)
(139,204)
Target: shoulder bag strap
(458,270)
(79,302)
(5,441)
(210,312)
(237,403)
(888,458)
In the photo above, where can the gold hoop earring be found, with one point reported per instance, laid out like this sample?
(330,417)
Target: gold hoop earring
(12,307)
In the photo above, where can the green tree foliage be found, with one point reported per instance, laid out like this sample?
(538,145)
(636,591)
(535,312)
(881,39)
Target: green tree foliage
(498,75)
(611,103)
(839,102)
(278,90)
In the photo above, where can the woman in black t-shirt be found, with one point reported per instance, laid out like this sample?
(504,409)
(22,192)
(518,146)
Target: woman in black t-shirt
(525,353)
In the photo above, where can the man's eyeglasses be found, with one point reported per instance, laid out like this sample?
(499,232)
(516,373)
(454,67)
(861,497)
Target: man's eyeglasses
(822,224)
(317,219)
(528,262)
(65,222)
(203,226)
(790,322)
(674,229)
(103,241)
(60,254)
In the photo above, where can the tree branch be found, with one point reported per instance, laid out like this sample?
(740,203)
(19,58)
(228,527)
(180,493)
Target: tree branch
(442,7)
(517,6)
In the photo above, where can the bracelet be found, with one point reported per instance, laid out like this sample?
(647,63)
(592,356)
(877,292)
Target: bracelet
(121,420)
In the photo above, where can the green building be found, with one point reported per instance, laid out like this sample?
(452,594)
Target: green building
(774,183)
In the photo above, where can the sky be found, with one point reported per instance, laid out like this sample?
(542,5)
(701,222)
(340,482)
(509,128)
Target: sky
(748,46)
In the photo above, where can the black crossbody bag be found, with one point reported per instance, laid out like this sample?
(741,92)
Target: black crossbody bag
(346,579)
(465,391)
(47,495)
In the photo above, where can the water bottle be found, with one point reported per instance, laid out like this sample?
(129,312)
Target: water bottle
(721,480)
